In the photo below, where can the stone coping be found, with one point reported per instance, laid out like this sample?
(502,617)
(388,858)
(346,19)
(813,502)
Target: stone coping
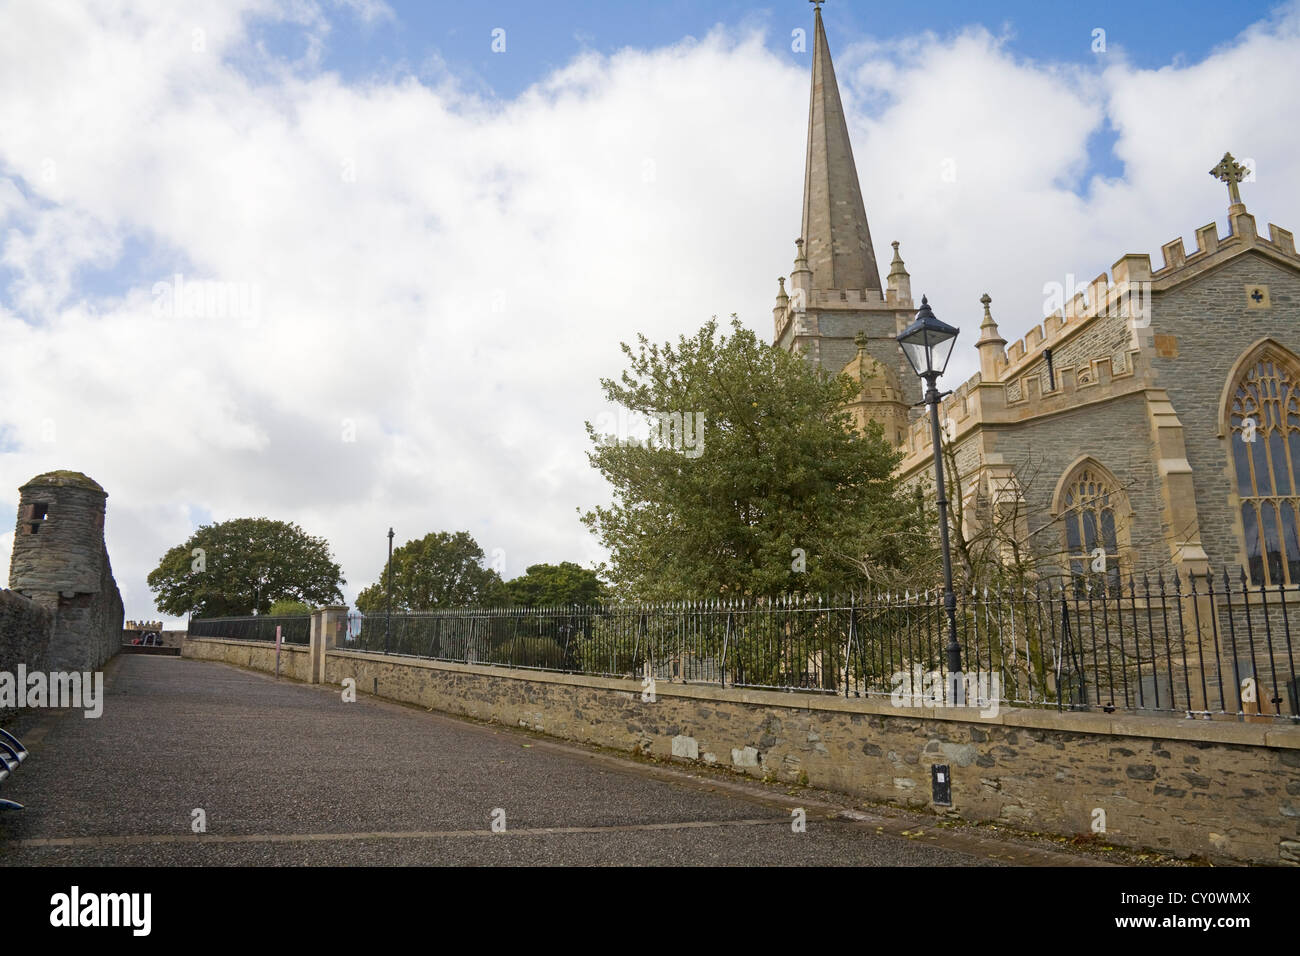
(238,643)
(1121,725)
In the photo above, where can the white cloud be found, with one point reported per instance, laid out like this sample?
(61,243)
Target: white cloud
(454,274)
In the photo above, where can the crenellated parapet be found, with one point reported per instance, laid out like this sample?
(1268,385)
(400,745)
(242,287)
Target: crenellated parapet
(1211,248)
(1089,349)
(958,414)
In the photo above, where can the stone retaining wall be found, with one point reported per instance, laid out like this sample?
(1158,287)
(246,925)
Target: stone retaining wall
(258,655)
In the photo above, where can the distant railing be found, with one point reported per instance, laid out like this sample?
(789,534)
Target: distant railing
(295,629)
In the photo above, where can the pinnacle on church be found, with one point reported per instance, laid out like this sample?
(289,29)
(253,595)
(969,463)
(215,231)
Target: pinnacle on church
(991,344)
(838,249)
(896,267)
(986,300)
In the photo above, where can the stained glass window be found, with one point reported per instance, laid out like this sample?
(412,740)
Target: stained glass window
(1264,429)
(1092,511)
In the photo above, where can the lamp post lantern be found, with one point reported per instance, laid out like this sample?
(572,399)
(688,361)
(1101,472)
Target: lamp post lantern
(928,344)
(388,616)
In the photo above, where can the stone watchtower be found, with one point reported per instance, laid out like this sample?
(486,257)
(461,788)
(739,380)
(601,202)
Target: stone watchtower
(60,562)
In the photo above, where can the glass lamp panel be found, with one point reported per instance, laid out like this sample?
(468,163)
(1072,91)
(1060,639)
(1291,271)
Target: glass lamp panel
(916,356)
(942,351)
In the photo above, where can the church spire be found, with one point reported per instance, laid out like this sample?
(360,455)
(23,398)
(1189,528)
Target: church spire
(837,239)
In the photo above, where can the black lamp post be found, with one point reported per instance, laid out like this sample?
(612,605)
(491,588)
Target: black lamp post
(388,617)
(928,343)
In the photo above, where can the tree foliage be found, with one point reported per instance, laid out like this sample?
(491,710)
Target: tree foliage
(290,608)
(556,585)
(243,566)
(785,497)
(440,570)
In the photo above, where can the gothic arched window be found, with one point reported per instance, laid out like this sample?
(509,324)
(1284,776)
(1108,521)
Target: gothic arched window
(1094,511)
(1264,431)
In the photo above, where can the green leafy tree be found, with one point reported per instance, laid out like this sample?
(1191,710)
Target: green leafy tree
(556,585)
(784,495)
(439,570)
(243,566)
(287,608)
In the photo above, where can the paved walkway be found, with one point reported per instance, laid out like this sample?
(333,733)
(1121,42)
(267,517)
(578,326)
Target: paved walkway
(289,774)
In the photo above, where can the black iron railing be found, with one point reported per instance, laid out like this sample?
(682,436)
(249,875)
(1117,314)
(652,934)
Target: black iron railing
(1204,646)
(295,629)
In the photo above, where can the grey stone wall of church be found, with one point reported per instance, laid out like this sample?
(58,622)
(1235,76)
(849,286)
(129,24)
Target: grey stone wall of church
(1117,434)
(1212,328)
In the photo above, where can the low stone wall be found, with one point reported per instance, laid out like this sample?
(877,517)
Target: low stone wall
(258,655)
(1226,791)
(25,632)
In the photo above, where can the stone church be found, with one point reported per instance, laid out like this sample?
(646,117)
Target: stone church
(1155,419)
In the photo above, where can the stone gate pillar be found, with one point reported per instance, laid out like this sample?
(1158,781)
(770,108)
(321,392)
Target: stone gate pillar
(328,625)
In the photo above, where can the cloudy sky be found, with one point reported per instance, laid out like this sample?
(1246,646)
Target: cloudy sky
(433,225)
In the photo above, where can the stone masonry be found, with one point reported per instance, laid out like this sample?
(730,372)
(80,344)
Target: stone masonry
(60,563)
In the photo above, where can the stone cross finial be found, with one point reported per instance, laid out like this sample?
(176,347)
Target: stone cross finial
(1231,172)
